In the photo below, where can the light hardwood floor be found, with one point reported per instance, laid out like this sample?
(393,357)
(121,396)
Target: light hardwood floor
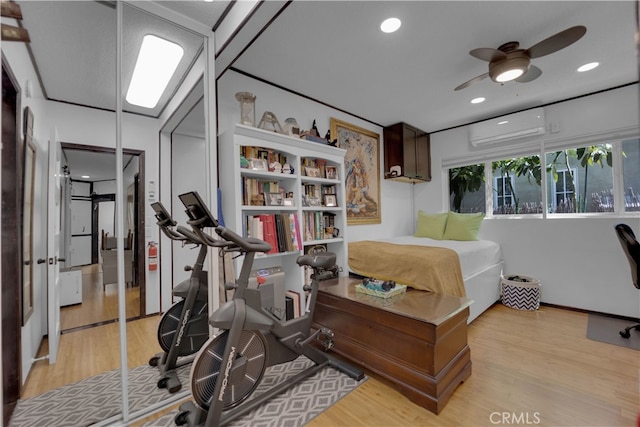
(537,367)
(99,303)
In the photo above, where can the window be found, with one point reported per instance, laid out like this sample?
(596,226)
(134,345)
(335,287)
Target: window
(502,195)
(516,186)
(466,189)
(631,174)
(580,180)
(563,191)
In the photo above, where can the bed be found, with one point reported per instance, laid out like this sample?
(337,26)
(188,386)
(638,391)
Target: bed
(480,266)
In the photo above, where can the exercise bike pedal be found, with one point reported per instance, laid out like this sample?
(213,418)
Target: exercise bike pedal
(325,336)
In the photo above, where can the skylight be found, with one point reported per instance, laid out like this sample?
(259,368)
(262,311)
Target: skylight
(157,61)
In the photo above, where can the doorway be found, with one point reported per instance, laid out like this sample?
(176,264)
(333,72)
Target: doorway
(90,237)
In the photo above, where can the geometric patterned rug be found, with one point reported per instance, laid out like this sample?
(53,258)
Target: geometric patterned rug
(96,398)
(294,407)
(93,399)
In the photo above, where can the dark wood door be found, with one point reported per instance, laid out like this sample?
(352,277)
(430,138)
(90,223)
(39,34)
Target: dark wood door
(11,248)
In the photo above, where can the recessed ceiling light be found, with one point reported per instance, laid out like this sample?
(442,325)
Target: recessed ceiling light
(587,67)
(86,176)
(477,100)
(208,1)
(390,25)
(157,61)
(504,122)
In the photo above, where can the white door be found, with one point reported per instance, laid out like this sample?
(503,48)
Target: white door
(53,245)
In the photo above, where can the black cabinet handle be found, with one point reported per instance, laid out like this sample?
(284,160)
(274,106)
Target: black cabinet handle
(41,260)
(27,262)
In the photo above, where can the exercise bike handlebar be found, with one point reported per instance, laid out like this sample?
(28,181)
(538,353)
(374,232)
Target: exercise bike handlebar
(181,234)
(249,244)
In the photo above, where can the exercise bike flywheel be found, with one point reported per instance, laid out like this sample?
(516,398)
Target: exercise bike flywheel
(249,364)
(198,326)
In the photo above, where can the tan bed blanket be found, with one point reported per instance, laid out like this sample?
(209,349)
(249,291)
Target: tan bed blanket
(420,267)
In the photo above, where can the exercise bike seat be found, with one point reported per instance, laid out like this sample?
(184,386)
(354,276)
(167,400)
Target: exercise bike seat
(319,260)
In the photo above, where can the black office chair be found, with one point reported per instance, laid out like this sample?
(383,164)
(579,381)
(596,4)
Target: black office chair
(631,248)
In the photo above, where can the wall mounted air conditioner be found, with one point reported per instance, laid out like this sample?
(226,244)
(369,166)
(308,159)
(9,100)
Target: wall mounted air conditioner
(505,128)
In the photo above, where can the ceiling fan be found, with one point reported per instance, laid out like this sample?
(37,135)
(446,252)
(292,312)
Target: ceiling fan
(508,62)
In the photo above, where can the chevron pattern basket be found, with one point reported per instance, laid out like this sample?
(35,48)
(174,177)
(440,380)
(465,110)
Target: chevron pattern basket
(520,292)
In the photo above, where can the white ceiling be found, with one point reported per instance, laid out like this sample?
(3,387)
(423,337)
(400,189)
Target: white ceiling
(333,52)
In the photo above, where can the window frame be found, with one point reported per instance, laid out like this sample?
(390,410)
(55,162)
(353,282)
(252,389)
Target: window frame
(541,147)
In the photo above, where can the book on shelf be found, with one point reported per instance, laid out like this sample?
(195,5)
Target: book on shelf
(286,223)
(249,152)
(288,303)
(295,232)
(281,234)
(296,301)
(270,236)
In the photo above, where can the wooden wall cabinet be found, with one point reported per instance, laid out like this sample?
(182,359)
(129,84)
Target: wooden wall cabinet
(409,148)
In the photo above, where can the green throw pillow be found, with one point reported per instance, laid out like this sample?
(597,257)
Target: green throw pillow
(463,226)
(431,225)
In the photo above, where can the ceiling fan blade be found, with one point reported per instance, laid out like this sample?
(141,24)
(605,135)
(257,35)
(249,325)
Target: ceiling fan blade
(472,81)
(557,41)
(532,73)
(487,54)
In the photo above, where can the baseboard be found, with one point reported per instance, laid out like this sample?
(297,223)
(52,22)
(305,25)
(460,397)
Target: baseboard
(583,310)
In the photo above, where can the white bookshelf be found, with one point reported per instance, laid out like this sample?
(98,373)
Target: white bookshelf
(296,150)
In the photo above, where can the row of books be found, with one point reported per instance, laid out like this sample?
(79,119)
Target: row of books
(280,230)
(252,187)
(316,164)
(318,225)
(293,304)
(263,153)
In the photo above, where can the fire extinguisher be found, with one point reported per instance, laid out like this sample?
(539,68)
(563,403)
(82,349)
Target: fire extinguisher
(153,256)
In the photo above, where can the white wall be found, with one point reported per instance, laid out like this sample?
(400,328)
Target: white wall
(187,174)
(396,197)
(578,260)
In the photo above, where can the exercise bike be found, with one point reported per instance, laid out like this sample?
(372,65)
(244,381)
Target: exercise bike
(183,329)
(229,366)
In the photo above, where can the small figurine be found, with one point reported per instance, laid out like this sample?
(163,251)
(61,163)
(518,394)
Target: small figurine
(275,167)
(244,163)
(286,168)
(314,129)
(270,122)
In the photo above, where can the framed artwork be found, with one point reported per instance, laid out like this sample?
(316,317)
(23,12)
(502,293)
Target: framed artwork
(313,172)
(330,200)
(362,172)
(332,172)
(273,199)
(258,164)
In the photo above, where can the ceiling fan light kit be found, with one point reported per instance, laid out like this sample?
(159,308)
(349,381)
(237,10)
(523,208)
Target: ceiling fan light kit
(509,69)
(508,62)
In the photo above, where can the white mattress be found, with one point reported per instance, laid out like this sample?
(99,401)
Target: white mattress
(476,256)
